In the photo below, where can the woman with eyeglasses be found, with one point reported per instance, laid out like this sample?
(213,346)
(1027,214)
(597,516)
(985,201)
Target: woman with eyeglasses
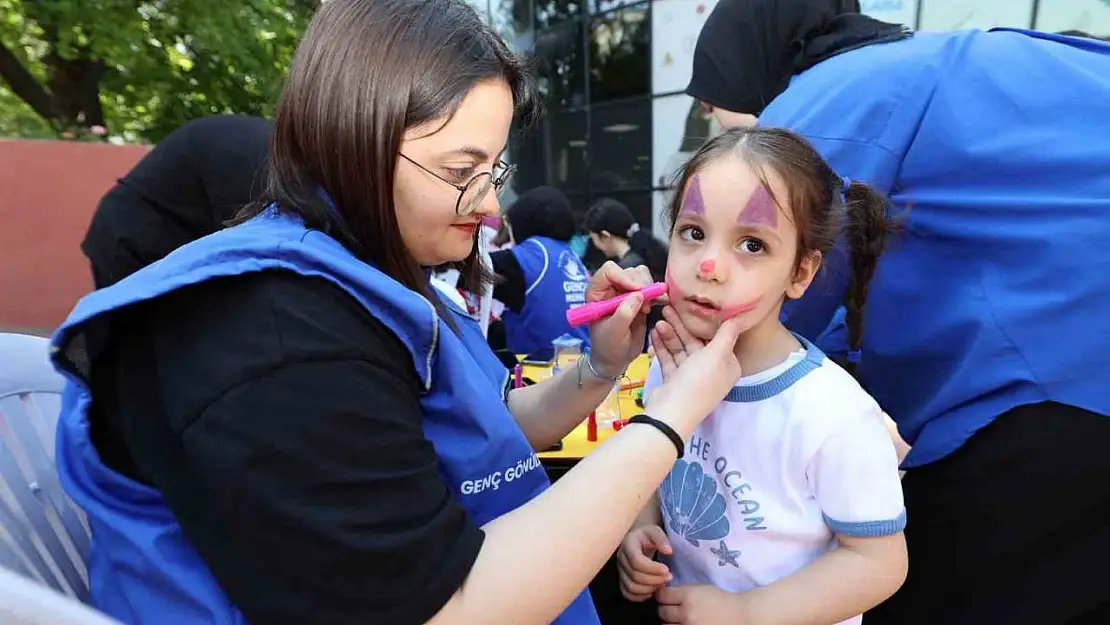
(539,277)
(282,422)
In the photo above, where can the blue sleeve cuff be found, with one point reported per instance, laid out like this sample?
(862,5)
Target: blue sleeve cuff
(868,529)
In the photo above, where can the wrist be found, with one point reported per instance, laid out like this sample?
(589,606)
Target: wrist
(590,368)
(674,417)
(747,605)
(606,368)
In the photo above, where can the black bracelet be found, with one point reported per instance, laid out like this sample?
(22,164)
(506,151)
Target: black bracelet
(662,427)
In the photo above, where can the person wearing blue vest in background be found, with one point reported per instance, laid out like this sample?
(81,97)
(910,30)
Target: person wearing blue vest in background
(540,277)
(984,329)
(282,422)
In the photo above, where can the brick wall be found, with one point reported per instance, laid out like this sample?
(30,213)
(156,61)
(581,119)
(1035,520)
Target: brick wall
(48,192)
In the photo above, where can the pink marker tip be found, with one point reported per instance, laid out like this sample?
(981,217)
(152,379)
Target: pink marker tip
(588,313)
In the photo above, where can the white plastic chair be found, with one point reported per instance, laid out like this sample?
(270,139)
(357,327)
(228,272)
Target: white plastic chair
(43,535)
(24,602)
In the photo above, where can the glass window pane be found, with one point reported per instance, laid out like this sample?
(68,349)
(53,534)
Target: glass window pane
(620,145)
(548,13)
(1092,16)
(561,65)
(566,156)
(601,6)
(620,54)
(679,127)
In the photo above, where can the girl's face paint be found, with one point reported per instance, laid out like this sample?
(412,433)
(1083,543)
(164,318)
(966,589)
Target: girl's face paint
(760,210)
(732,311)
(729,249)
(692,202)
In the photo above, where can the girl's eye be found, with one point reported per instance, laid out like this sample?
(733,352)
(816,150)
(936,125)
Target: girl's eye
(691,233)
(751,245)
(461,175)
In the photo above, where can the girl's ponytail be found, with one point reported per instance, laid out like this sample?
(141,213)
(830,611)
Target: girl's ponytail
(867,225)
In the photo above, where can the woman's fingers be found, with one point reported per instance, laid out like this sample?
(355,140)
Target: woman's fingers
(662,352)
(611,280)
(689,341)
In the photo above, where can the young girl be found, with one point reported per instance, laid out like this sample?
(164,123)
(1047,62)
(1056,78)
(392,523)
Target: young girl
(787,506)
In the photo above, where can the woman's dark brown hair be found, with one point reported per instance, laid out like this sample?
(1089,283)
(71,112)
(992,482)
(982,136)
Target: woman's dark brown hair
(365,72)
(821,207)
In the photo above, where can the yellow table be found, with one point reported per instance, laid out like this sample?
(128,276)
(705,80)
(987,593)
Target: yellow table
(575,444)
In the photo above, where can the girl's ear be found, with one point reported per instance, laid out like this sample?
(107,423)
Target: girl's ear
(804,274)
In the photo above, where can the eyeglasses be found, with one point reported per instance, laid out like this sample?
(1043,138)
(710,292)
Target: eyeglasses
(474,191)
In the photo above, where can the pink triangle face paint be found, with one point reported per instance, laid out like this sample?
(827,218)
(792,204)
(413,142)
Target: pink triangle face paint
(760,210)
(692,202)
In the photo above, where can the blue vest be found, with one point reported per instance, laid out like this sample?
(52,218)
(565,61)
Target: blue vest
(555,281)
(993,147)
(142,569)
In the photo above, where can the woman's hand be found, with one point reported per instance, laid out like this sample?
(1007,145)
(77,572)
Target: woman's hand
(672,342)
(617,339)
(696,375)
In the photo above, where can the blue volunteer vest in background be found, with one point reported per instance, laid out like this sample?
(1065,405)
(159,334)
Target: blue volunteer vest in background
(141,568)
(997,292)
(555,281)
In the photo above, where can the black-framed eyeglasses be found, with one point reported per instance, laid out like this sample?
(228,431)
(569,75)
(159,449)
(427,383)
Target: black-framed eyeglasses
(475,190)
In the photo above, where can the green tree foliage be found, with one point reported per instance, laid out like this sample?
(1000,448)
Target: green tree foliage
(140,68)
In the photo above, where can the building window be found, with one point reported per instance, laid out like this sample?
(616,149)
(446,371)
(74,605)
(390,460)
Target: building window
(620,145)
(561,65)
(620,54)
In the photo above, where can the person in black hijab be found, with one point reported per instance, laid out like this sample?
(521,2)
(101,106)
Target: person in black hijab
(192,182)
(781,38)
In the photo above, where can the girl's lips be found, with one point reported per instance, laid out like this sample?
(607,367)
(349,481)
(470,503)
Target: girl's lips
(703,310)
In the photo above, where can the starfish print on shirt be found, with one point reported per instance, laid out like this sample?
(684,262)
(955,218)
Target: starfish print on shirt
(725,555)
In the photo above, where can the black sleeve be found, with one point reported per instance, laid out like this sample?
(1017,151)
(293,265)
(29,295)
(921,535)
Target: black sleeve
(509,290)
(290,448)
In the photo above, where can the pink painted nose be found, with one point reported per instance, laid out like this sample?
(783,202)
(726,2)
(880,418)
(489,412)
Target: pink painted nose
(707,266)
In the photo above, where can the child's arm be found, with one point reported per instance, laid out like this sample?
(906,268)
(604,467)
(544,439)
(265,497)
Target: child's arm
(843,583)
(900,445)
(651,514)
(853,474)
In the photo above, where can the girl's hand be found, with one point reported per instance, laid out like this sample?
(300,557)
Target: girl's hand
(699,604)
(640,575)
(619,338)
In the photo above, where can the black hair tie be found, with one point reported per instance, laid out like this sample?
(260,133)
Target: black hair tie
(662,427)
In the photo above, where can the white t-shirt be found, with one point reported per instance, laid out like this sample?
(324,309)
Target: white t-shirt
(792,455)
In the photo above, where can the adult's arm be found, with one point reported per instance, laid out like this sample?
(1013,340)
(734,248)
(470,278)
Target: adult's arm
(307,486)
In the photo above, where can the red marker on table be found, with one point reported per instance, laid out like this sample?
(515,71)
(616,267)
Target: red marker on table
(588,313)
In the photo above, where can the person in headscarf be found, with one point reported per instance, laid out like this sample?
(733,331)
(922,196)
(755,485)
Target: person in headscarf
(539,277)
(985,327)
(192,182)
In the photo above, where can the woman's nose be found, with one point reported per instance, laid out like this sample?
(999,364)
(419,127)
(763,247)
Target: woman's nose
(489,206)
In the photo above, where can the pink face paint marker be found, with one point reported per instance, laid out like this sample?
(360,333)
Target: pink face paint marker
(588,313)
(760,210)
(692,201)
(707,266)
